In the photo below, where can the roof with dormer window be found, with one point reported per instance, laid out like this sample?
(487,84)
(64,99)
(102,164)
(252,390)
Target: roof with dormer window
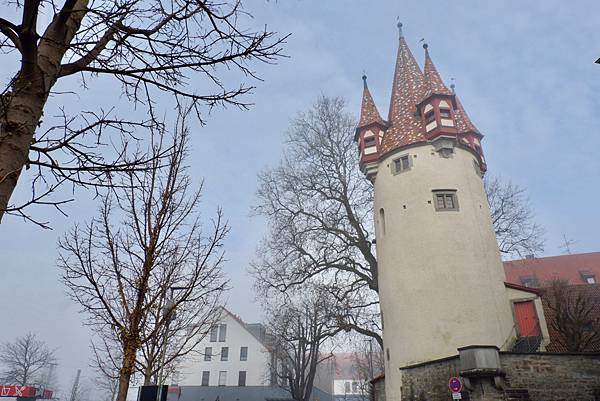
(407,91)
(368,111)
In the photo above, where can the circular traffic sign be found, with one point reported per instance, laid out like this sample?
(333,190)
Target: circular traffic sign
(455,384)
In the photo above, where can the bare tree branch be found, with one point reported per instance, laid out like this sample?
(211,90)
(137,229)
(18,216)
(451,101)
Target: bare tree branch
(124,273)
(148,47)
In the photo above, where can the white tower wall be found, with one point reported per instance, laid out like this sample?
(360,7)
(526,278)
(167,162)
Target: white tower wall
(440,272)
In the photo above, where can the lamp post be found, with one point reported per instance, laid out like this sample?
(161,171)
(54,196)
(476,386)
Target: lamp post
(169,315)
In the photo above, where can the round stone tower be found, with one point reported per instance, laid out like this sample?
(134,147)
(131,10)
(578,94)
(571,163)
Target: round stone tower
(441,280)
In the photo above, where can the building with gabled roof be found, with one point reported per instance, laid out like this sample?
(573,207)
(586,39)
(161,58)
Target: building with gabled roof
(582,268)
(234,353)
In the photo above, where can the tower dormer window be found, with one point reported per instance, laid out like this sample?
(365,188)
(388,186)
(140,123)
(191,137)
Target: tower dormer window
(430,116)
(370,141)
(445,113)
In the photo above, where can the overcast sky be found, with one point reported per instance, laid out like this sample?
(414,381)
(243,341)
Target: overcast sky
(524,71)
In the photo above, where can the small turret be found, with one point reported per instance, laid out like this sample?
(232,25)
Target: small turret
(436,107)
(369,133)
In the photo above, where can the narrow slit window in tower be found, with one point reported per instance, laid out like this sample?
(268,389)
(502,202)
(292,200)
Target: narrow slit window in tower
(382,220)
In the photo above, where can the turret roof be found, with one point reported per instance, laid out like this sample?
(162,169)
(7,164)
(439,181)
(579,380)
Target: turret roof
(463,122)
(407,91)
(368,111)
(434,85)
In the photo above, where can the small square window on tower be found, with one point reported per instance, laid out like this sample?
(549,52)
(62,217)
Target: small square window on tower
(445,200)
(401,164)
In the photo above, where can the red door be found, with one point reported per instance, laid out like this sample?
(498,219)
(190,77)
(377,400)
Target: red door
(527,322)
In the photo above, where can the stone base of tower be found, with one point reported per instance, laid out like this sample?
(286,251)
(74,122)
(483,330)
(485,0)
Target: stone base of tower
(537,376)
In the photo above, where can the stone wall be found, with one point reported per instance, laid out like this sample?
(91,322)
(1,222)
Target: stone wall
(552,377)
(535,377)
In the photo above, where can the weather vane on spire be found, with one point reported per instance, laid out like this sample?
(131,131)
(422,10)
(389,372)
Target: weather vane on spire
(399,25)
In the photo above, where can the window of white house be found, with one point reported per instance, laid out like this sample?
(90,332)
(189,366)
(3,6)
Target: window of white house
(223,378)
(347,387)
(207,353)
(205,377)
(243,353)
(355,387)
(225,353)
(214,333)
(242,378)
(403,163)
(222,332)
(445,200)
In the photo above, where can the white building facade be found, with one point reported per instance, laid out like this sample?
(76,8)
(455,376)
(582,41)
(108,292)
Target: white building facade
(234,353)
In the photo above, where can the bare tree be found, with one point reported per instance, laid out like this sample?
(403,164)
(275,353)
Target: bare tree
(147,47)
(319,209)
(517,232)
(25,360)
(319,206)
(573,316)
(147,240)
(108,385)
(299,326)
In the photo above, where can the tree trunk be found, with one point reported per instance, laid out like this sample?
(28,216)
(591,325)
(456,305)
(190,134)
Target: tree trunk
(126,370)
(22,108)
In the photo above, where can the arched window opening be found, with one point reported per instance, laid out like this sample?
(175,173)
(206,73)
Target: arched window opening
(382,220)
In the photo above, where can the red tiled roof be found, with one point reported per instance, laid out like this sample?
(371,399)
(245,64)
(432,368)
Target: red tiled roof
(407,91)
(433,82)
(522,288)
(411,86)
(368,111)
(463,122)
(566,267)
(588,292)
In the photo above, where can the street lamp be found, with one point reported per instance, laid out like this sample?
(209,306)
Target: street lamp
(168,314)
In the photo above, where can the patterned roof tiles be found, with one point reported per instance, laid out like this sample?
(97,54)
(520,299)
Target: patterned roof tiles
(368,111)
(463,122)
(433,82)
(407,90)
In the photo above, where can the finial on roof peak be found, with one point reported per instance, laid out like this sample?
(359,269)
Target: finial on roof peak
(364,77)
(452,85)
(399,25)
(426,47)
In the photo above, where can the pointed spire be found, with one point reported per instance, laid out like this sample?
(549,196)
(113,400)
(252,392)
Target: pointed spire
(407,90)
(368,111)
(433,82)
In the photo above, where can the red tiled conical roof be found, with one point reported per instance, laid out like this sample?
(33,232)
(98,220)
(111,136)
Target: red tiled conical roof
(434,85)
(407,91)
(463,122)
(368,111)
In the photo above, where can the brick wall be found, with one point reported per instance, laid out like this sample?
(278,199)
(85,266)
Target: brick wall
(543,376)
